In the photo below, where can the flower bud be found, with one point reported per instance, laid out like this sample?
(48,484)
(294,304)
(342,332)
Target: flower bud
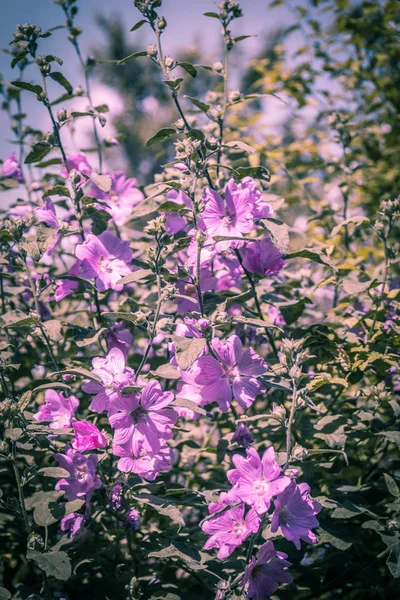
(115,498)
(218,67)
(212,143)
(161,24)
(242,436)
(132,520)
(151,51)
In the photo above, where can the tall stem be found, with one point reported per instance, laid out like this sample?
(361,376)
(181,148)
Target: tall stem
(290,421)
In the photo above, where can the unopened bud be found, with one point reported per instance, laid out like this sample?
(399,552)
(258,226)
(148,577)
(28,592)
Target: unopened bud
(161,24)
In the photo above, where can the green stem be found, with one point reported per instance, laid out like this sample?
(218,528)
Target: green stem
(290,422)
(21,497)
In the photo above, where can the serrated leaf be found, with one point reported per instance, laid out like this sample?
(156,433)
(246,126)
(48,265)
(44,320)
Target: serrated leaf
(162,506)
(131,317)
(241,146)
(24,400)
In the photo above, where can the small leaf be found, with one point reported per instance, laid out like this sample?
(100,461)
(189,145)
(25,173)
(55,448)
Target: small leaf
(201,105)
(138,25)
(187,350)
(117,316)
(135,276)
(59,77)
(167,371)
(214,15)
(29,87)
(185,403)
(24,400)
(134,55)
(39,151)
(162,134)
(356,220)
(57,190)
(279,232)
(104,182)
(56,472)
(241,146)
(50,386)
(391,485)
(242,37)
(16,318)
(191,69)
(78,371)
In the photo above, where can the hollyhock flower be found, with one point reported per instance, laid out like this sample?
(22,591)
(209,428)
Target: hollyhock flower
(119,337)
(114,375)
(228,272)
(57,410)
(104,258)
(231,217)
(10,168)
(121,199)
(65,287)
(115,499)
(141,461)
(275,315)
(47,214)
(87,437)
(242,436)
(232,373)
(82,469)
(189,328)
(132,520)
(145,418)
(229,529)
(295,514)
(78,162)
(174,222)
(261,257)
(256,481)
(265,574)
(261,208)
(74,523)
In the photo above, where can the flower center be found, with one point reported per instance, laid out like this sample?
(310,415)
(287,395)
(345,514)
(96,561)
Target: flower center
(261,486)
(238,528)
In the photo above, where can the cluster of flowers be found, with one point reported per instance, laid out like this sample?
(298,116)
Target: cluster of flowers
(242,511)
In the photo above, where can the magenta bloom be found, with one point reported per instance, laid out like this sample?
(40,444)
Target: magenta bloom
(105,259)
(174,222)
(47,214)
(261,208)
(74,523)
(145,418)
(10,168)
(57,410)
(242,436)
(231,217)
(114,375)
(256,481)
(115,498)
(132,520)
(119,337)
(264,575)
(261,257)
(295,514)
(87,437)
(82,469)
(79,163)
(142,461)
(229,529)
(122,198)
(233,374)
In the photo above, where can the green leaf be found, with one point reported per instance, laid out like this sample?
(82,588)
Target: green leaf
(4,594)
(59,77)
(393,561)
(242,37)
(56,472)
(136,276)
(167,371)
(134,55)
(57,190)
(16,318)
(162,506)
(24,400)
(180,551)
(50,386)
(20,56)
(391,485)
(56,564)
(185,403)
(162,134)
(201,105)
(255,172)
(191,69)
(39,151)
(356,220)
(138,25)
(78,371)
(29,87)
(123,316)
(241,146)
(214,15)
(104,182)
(315,254)
(392,436)
(174,84)
(279,233)
(187,350)
(37,246)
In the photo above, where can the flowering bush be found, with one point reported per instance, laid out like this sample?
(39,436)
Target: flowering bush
(199,397)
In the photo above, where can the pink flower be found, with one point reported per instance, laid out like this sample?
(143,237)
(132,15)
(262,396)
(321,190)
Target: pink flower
(79,163)
(47,214)
(295,514)
(230,217)
(229,529)
(122,198)
(10,168)
(233,372)
(114,375)
(174,221)
(87,437)
(142,461)
(256,481)
(119,337)
(65,287)
(104,259)
(242,436)
(82,469)
(144,418)
(57,410)
(261,257)
(266,573)
(261,208)
(74,523)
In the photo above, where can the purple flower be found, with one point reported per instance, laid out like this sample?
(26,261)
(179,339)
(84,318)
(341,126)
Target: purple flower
(119,337)
(229,529)
(57,410)
(233,372)
(145,418)
(264,575)
(114,375)
(256,481)
(10,168)
(47,214)
(261,208)
(174,222)
(295,514)
(79,163)
(142,461)
(74,523)
(242,436)
(261,257)
(132,520)
(122,198)
(65,287)
(87,437)
(231,217)
(115,499)
(82,469)
(104,259)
